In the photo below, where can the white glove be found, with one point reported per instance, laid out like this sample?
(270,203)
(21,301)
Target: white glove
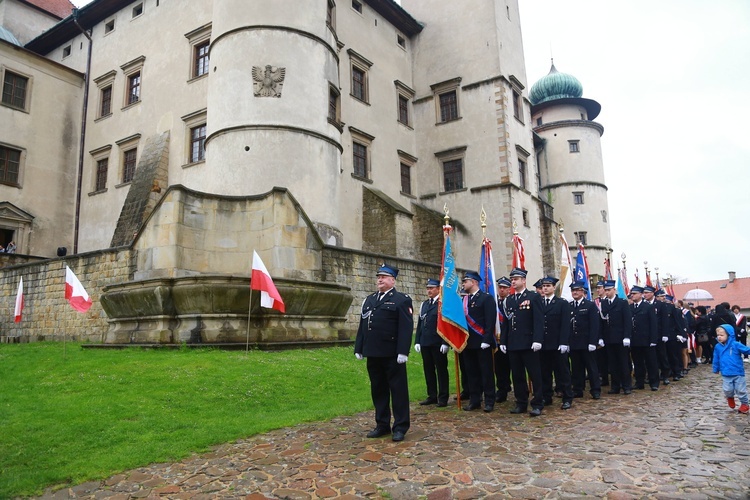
(417,347)
(601,342)
(681,338)
(563,349)
(626,342)
(443,348)
(503,349)
(358,356)
(401,359)
(592,348)
(665,339)
(652,345)
(536,346)
(484,345)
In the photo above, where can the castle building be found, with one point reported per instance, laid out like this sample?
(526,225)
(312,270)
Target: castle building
(154,124)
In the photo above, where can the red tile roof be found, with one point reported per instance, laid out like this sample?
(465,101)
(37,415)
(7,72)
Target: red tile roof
(59,8)
(736,292)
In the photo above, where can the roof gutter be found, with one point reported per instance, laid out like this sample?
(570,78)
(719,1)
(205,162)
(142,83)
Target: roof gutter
(86,78)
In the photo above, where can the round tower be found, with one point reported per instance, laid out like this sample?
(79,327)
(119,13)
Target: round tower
(273,70)
(570,162)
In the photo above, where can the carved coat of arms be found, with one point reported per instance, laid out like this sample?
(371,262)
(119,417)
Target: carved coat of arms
(267,82)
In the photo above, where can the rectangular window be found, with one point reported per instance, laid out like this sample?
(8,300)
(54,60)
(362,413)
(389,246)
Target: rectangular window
(331,15)
(448,106)
(517,106)
(198,143)
(401,41)
(525,217)
(539,122)
(578,198)
(359,84)
(10,163)
(453,174)
(405,178)
(200,66)
(333,105)
(102,167)
(14,90)
(522,178)
(360,160)
(66,51)
(109,26)
(138,10)
(357,5)
(581,238)
(106,104)
(134,88)
(128,165)
(573,146)
(403,110)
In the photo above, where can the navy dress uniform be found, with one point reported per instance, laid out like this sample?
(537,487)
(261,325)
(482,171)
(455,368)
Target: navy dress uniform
(480,309)
(384,338)
(433,349)
(502,363)
(678,334)
(522,342)
(584,337)
(643,341)
(554,357)
(662,358)
(618,327)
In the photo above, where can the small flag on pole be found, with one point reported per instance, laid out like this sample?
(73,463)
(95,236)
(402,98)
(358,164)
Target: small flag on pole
(19,302)
(566,269)
(582,270)
(451,323)
(519,257)
(261,280)
(75,294)
(487,273)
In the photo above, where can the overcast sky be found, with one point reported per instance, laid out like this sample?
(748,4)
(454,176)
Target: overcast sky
(673,78)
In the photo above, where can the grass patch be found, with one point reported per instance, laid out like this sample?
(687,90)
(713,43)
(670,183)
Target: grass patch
(81,415)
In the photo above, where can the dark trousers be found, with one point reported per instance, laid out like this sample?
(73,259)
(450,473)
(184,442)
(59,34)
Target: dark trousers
(559,364)
(619,367)
(522,362)
(502,373)
(644,360)
(478,365)
(388,384)
(464,375)
(674,351)
(602,362)
(582,362)
(435,366)
(663,359)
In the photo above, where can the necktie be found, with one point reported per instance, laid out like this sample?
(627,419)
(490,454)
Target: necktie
(636,306)
(577,304)
(380,296)
(546,301)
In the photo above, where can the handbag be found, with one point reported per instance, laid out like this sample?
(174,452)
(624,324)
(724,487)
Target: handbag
(701,338)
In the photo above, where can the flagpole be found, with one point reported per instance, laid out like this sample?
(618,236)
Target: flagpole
(249,308)
(456,362)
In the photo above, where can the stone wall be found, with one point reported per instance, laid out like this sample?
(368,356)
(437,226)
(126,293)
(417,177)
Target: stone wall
(46,313)
(357,270)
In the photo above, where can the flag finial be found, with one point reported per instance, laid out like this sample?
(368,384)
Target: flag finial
(515,227)
(483,221)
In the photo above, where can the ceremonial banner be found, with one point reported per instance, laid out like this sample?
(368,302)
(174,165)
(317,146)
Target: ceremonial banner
(582,270)
(261,280)
(451,324)
(566,269)
(621,286)
(624,282)
(519,257)
(487,273)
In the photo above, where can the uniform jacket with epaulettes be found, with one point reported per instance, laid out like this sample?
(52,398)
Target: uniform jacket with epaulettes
(482,308)
(584,325)
(618,321)
(645,326)
(385,326)
(427,334)
(556,323)
(525,321)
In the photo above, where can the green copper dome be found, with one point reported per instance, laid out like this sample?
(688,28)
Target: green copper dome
(554,86)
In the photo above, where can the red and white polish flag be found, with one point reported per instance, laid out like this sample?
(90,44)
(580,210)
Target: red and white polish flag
(261,280)
(75,293)
(19,302)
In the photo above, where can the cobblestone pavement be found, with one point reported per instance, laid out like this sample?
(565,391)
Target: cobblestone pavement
(682,441)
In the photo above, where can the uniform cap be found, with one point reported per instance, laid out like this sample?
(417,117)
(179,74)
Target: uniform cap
(636,289)
(549,280)
(432,282)
(503,282)
(609,284)
(387,271)
(579,285)
(471,275)
(517,272)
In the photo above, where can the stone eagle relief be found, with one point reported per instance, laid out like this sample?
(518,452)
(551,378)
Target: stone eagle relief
(267,82)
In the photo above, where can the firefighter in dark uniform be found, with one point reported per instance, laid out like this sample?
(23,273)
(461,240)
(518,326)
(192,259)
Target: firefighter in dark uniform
(384,338)
(554,356)
(480,309)
(502,363)
(432,347)
(602,361)
(584,338)
(618,327)
(678,335)
(643,341)
(523,341)
(662,359)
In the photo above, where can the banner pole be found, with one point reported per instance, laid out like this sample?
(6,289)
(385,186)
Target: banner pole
(249,308)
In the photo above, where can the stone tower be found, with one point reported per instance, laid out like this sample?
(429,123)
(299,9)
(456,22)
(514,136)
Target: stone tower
(570,162)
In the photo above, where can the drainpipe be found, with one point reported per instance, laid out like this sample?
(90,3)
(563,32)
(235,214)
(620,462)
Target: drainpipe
(83,130)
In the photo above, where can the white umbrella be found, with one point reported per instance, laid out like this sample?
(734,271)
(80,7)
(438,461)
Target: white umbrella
(698,294)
